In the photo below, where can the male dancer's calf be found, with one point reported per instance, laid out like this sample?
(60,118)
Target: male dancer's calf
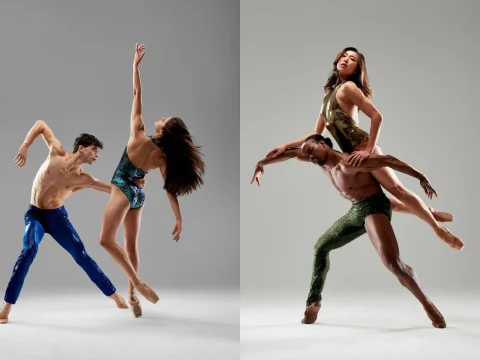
(60,176)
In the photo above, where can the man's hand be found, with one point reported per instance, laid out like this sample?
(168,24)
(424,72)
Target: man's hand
(177,230)
(256,176)
(429,190)
(140,182)
(21,157)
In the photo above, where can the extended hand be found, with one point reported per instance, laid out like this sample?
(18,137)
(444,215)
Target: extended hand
(177,230)
(21,157)
(139,53)
(257,173)
(276,151)
(140,182)
(357,157)
(429,190)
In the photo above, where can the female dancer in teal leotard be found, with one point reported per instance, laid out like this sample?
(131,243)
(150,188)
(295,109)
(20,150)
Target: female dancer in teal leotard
(171,150)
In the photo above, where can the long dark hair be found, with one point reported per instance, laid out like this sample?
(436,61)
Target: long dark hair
(359,77)
(185,167)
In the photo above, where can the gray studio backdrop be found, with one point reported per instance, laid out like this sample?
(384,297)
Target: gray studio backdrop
(70,64)
(421,57)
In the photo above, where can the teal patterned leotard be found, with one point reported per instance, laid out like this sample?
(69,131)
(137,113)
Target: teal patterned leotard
(123,178)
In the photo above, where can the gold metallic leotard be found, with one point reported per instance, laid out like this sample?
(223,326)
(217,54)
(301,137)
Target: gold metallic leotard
(341,126)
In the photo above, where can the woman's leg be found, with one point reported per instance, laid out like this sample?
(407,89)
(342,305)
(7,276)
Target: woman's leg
(400,207)
(131,226)
(390,182)
(113,215)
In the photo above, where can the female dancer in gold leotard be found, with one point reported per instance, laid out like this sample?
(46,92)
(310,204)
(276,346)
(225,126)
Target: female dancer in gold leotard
(347,92)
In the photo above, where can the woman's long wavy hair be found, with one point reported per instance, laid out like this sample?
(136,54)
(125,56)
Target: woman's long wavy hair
(185,167)
(359,77)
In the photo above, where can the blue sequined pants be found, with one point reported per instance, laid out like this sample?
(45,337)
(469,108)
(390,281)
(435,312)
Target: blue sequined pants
(56,223)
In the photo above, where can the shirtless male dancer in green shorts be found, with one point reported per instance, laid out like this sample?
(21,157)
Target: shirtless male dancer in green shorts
(60,176)
(370,213)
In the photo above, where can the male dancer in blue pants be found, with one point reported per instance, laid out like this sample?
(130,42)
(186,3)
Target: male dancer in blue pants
(60,176)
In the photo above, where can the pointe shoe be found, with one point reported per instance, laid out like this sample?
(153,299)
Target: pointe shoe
(147,292)
(452,240)
(441,216)
(135,305)
(438,321)
(311,312)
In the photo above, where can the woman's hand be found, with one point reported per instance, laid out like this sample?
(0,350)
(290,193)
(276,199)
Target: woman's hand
(358,157)
(177,230)
(139,53)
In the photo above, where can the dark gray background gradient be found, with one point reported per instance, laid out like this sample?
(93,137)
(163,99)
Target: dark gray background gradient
(70,64)
(422,58)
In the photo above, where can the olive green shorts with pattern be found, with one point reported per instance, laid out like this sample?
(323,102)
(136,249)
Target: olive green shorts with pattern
(344,230)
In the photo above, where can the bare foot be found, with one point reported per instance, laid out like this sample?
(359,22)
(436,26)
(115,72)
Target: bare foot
(452,240)
(437,318)
(119,301)
(4,311)
(441,216)
(311,313)
(147,292)
(135,305)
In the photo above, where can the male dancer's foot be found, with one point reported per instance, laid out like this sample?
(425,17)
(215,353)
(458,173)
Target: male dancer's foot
(437,318)
(147,292)
(452,240)
(134,303)
(311,312)
(4,311)
(441,216)
(119,301)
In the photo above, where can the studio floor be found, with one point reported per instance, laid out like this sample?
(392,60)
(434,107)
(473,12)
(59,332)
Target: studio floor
(184,324)
(359,326)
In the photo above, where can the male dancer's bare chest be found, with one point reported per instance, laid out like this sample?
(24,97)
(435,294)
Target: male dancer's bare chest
(55,176)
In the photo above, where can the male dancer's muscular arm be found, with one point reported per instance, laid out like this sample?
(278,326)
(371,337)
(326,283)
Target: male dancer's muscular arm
(91,182)
(40,127)
(287,155)
(376,162)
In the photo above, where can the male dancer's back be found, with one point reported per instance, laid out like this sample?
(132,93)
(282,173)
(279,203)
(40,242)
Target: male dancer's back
(59,176)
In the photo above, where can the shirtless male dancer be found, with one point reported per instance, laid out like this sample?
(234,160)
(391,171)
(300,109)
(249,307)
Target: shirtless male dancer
(60,176)
(370,213)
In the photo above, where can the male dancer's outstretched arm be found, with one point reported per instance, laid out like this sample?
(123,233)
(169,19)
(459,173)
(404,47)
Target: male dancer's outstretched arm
(294,153)
(376,162)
